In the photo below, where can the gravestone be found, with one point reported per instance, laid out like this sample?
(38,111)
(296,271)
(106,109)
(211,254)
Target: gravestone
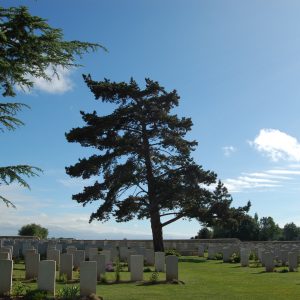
(211,252)
(293,261)
(123,253)
(4,255)
(66,265)
(107,254)
(6,271)
(226,251)
(160,261)
(54,254)
(284,257)
(100,260)
(92,252)
(244,254)
(268,261)
(28,252)
(32,265)
(78,258)
(136,267)
(201,250)
(46,276)
(25,246)
(171,267)
(7,250)
(88,278)
(149,257)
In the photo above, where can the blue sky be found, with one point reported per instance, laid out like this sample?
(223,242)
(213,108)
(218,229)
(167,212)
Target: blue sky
(236,66)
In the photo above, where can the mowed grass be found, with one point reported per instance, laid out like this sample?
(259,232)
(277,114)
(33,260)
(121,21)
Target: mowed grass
(200,279)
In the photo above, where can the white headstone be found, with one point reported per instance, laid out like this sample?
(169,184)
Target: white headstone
(78,258)
(88,278)
(123,253)
(46,276)
(6,271)
(268,261)
(160,261)
(32,265)
(100,259)
(54,254)
(107,254)
(244,254)
(171,267)
(136,267)
(4,255)
(92,253)
(201,250)
(293,261)
(66,265)
(149,257)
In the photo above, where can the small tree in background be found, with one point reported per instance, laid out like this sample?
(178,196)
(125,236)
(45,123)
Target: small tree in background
(269,230)
(291,232)
(34,230)
(204,233)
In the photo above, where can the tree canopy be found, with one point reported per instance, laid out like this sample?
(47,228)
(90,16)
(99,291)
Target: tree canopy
(34,230)
(29,46)
(144,164)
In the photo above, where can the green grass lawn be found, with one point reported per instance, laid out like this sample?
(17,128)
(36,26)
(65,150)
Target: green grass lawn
(201,279)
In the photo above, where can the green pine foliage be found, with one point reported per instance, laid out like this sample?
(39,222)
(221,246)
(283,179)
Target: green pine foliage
(29,46)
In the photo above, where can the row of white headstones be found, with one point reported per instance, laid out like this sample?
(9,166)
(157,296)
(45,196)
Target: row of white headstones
(90,271)
(268,256)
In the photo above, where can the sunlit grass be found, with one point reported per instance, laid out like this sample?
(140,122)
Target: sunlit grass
(199,279)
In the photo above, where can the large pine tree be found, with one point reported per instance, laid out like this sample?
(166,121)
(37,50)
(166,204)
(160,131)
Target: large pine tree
(143,160)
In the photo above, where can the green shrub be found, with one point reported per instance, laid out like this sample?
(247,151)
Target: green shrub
(103,279)
(235,258)
(62,278)
(147,270)
(219,256)
(36,295)
(285,270)
(19,289)
(154,277)
(253,256)
(69,292)
(118,269)
(172,252)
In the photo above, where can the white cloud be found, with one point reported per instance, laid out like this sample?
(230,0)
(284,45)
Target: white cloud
(60,83)
(267,175)
(260,181)
(284,172)
(228,150)
(277,145)
(242,183)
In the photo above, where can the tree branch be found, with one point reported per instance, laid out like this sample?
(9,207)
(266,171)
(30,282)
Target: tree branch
(172,220)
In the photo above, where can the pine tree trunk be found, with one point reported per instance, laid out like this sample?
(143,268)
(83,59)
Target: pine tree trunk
(157,234)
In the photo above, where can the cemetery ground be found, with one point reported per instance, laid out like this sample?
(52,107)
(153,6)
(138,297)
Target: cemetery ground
(199,278)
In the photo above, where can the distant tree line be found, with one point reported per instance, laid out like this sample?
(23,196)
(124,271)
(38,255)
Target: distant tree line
(251,229)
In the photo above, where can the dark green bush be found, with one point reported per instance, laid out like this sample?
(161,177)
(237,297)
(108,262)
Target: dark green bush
(172,252)
(235,258)
(36,295)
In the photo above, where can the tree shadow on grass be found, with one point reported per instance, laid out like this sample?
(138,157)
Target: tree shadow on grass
(192,260)
(151,283)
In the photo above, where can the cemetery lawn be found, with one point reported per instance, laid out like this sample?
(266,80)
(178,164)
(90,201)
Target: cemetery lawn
(200,279)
